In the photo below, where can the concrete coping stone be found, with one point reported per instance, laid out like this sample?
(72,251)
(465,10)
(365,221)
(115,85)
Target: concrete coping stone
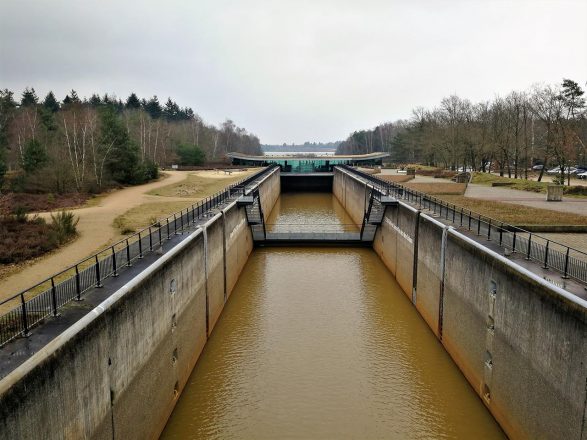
(575,300)
(45,352)
(434,221)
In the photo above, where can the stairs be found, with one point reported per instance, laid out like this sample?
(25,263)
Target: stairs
(254,213)
(373,216)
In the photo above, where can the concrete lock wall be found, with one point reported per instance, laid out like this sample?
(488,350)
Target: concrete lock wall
(269,191)
(519,341)
(117,373)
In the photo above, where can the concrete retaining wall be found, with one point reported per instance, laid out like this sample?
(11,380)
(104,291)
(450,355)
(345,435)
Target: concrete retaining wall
(117,373)
(520,341)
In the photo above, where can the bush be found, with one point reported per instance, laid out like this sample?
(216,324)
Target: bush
(63,227)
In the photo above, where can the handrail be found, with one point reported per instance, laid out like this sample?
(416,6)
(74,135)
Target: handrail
(72,282)
(572,263)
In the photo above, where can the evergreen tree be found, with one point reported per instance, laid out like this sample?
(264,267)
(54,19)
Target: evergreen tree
(50,103)
(72,98)
(29,97)
(132,102)
(123,159)
(153,107)
(190,154)
(171,110)
(34,156)
(95,100)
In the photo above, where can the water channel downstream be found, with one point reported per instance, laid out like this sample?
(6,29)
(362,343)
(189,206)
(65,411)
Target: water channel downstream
(322,343)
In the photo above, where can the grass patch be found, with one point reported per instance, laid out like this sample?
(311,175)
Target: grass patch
(526,185)
(197,186)
(515,214)
(146,214)
(438,188)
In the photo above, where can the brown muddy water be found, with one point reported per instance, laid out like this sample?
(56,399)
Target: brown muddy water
(321,343)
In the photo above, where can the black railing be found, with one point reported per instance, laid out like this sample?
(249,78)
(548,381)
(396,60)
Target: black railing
(29,307)
(571,263)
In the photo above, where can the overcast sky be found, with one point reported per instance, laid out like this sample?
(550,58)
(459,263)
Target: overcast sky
(292,70)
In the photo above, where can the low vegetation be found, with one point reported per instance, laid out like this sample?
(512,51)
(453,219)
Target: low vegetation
(525,185)
(197,187)
(11,203)
(146,214)
(515,214)
(23,238)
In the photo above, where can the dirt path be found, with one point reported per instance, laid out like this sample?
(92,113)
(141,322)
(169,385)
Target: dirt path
(95,232)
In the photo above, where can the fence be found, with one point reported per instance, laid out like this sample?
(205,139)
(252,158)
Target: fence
(47,297)
(571,263)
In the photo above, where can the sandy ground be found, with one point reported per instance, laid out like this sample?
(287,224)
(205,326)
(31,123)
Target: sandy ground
(95,230)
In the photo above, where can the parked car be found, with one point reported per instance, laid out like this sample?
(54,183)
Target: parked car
(537,167)
(582,175)
(557,170)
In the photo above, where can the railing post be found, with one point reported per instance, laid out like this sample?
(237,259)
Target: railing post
(529,246)
(159,231)
(97,266)
(479,225)
(489,230)
(78,289)
(140,246)
(114,272)
(168,234)
(150,239)
(454,213)
(546,255)
(53,297)
(469,220)
(174,224)
(128,262)
(566,273)
(500,234)
(181,220)
(514,242)
(462,216)
(23,314)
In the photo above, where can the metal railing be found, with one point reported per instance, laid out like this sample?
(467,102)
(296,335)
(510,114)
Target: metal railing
(28,308)
(311,227)
(571,263)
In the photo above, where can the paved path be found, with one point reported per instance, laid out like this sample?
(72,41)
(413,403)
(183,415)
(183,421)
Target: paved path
(526,198)
(95,232)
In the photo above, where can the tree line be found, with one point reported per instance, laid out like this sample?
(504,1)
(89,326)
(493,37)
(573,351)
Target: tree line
(545,125)
(88,144)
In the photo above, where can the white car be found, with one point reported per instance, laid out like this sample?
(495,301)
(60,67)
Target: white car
(557,170)
(582,175)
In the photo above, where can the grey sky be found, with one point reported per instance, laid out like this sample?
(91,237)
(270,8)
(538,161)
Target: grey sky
(293,70)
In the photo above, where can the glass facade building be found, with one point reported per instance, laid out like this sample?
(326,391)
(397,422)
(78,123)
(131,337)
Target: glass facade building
(304,164)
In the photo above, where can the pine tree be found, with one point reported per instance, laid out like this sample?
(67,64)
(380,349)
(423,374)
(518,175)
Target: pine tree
(95,100)
(50,103)
(171,110)
(29,97)
(34,156)
(132,102)
(153,107)
(123,159)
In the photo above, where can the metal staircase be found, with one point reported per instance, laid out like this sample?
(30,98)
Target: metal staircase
(254,213)
(374,213)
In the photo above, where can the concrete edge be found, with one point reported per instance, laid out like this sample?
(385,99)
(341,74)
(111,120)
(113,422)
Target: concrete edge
(434,221)
(27,367)
(409,208)
(525,273)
